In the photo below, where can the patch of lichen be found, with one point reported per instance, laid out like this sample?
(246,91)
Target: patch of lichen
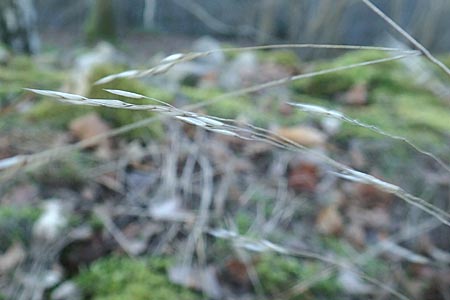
(387,74)
(278,273)
(22,72)
(116,277)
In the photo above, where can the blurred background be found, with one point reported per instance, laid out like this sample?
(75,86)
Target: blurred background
(103,203)
(324,21)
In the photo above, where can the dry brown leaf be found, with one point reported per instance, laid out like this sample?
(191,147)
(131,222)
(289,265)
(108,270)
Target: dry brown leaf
(23,194)
(236,272)
(304,177)
(303,135)
(356,235)
(357,95)
(329,221)
(89,126)
(204,279)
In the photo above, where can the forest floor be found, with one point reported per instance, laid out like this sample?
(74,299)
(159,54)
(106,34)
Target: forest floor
(168,210)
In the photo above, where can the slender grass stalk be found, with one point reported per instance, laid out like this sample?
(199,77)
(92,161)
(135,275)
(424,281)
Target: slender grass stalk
(254,133)
(405,34)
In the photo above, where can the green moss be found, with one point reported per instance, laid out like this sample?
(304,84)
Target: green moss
(336,245)
(279,273)
(415,115)
(388,74)
(16,224)
(70,170)
(55,114)
(225,108)
(122,117)
(58,115)
(22,72)
(284,57)
(243,221)
(116,277)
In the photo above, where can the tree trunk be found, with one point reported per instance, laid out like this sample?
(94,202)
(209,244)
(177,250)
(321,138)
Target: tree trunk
(18,26)
(101,24)
(267,21)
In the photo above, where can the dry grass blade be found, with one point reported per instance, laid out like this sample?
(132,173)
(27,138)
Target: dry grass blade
(164,65)
(262,245)
(339,116)
(399,29)
(286,80)
(167,63)
(258,134)
(55,94)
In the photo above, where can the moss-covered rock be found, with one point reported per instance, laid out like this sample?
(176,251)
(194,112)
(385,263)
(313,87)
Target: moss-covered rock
(116,277)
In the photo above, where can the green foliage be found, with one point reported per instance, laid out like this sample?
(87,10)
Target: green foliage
(116,277)
(16,224)
(278,273)
(101,24)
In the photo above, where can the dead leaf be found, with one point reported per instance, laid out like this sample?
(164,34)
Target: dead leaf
(11,258)
(352,283)
(356,235)
(23,194)
(357,95)
(110,181)
(89,126)
(303,135)
(204,280)
(171,210)
(329,221)
(236,272)
(368,196)
(304,177)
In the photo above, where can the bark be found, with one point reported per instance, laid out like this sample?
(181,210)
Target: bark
(18,26)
